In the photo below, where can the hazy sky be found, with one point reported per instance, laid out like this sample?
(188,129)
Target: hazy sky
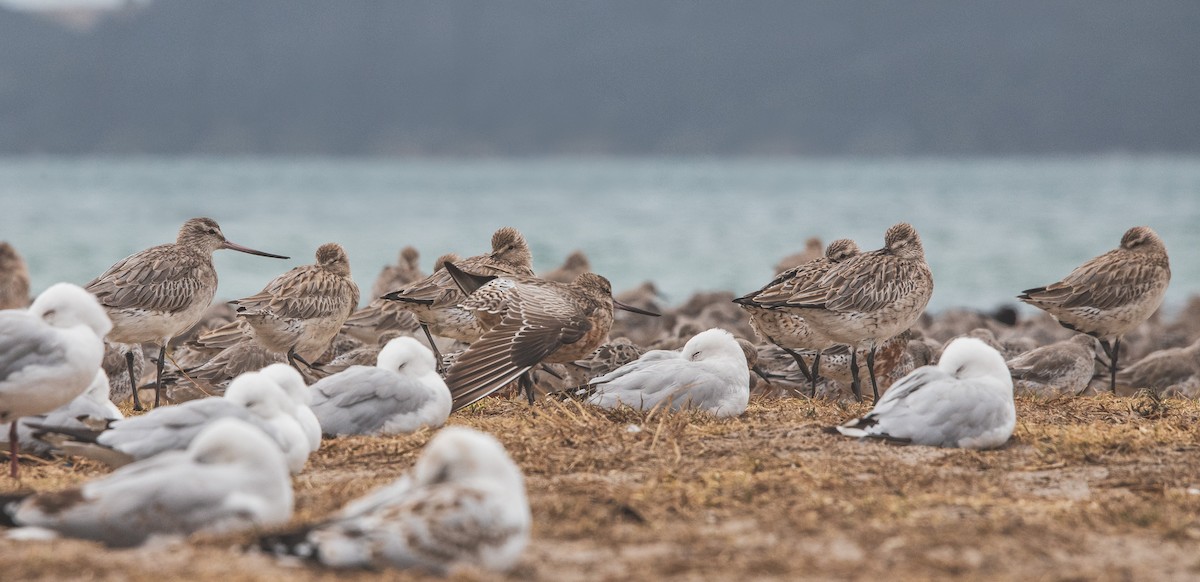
(58,4)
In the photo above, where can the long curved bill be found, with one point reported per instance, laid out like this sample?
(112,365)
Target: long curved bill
(633,309)
(249,251)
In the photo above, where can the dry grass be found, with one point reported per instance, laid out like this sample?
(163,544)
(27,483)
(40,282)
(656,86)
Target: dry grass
(1101,488)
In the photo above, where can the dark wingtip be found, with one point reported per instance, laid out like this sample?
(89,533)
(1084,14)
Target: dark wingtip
(291,543)
(830,430)
(467,282)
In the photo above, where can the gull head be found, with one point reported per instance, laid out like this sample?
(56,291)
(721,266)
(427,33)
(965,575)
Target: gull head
(64,306)
(968,357)
(260,395)
(713,344)
(457,454)
(234,442)
(407,356)
(290,380)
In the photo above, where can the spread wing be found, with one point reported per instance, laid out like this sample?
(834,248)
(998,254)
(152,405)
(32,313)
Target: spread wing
(537,322)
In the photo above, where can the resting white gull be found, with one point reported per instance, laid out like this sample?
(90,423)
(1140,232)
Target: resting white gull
(231,477)
(293,384)
(710,373)
(400,394)
(88,409)
(49,354)
(251,398)
(463,504)
(965,401)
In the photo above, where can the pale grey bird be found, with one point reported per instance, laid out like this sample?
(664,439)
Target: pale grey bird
(965,401)
(463,504)
(400,394)
(231,477)
(93,407)
(710,373)
(251,398)
(49,354)
(1063,367)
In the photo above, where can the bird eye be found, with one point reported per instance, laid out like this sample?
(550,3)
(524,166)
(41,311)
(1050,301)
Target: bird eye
(695,355)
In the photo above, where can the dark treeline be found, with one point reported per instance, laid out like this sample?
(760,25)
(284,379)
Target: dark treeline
(626,77)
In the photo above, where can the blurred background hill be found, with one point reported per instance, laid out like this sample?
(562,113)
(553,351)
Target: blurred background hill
(618,77)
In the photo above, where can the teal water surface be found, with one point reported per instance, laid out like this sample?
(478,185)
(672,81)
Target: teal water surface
(991,228)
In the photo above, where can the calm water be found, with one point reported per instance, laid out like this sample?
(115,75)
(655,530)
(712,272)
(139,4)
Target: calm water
(991,227)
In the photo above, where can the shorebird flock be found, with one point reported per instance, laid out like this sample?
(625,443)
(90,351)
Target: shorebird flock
(245,391)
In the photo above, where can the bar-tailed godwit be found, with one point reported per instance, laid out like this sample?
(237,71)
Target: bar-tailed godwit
(435,299)
(154,295)
(1111,294)
(299,312)
(783,326)
(529,321)
(868,298)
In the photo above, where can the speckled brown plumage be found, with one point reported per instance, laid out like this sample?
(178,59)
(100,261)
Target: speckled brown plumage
(1111,294)
(14,279)
(302,310)
(157,294)
(529,321)
(435,299)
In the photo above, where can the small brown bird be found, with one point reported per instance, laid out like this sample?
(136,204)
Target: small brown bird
(575,264)
(529,321)
(14,279)
(435,299)
(783,326)
(299,312)
(156,294)
(1111,294)
(405,270)
(868,298)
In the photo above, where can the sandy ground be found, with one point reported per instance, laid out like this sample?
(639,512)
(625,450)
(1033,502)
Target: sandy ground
(1101,488)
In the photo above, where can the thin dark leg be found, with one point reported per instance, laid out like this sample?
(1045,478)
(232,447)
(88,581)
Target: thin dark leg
(855,384)
(1113,369)
(294,359)
(437,356)
(137,401)
(162,359)
(799,363)
(525,383)
(13,448)
(871,370)
(816,373)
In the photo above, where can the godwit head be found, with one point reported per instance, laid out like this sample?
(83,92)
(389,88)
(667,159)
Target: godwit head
(844,248)
(1142,239)
(598,289)
(903,241)
(509,246)
(332,257)
(204,234)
